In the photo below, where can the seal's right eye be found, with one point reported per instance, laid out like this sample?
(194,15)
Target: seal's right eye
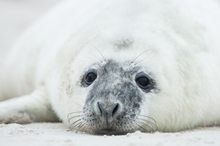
(89,78)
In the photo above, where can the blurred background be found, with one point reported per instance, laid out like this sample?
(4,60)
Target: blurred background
(16,16)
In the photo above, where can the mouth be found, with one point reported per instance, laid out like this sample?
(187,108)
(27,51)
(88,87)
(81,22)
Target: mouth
(114,128)
(109,131)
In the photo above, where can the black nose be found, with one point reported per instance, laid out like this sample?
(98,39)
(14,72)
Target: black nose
(107,111)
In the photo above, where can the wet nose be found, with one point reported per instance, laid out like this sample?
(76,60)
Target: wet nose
(107,111)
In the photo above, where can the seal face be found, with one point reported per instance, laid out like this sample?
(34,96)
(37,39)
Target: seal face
(113,104)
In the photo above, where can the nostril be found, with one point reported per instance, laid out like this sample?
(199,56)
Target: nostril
(106,110)
(100,108)
(115,109)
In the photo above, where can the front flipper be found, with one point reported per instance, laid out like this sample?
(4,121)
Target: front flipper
(26,109)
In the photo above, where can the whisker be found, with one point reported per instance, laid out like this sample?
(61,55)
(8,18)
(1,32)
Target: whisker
(83,126)
(147,121)
(100,53)
(150,121)
(74,123)
(148,124)
(138,56)
(69,114)
(136,63)
(69,119)
(75,112)
(78,125)
(143,129)
(151,118)
(99,60)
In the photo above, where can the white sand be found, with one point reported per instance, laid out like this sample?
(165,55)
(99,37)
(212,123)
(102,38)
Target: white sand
(58,135)
(15,16)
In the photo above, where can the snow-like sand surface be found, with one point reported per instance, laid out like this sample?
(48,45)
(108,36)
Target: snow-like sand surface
(58,135)
(15,16)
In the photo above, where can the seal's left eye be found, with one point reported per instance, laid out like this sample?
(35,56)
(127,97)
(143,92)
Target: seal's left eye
(90,77)
(144,81)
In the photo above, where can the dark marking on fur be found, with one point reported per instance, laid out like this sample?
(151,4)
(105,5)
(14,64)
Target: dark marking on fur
(124,43)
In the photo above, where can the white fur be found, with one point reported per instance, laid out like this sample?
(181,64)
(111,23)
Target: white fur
(179,42)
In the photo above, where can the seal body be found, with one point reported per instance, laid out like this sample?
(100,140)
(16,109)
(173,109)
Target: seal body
(117,66)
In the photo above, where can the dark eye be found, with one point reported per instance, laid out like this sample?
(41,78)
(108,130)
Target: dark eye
(89,78)
(144,81)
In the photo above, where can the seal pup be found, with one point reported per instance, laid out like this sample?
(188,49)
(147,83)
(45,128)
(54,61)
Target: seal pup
(113,67)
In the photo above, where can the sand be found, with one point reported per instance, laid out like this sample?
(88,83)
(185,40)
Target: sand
(56,134)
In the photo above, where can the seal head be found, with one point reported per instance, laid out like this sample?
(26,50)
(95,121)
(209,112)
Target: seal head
(113,104)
